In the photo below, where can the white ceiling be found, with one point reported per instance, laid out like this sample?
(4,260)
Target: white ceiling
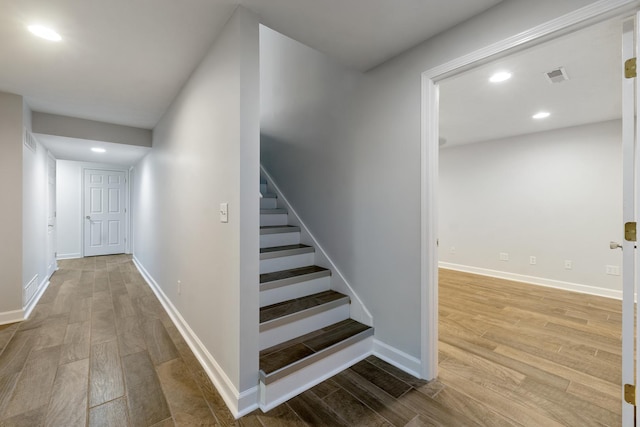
(472,109)
(123,61)
(80,150)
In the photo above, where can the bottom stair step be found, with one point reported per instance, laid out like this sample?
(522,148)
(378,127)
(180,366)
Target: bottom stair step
(292,367)
(288,357)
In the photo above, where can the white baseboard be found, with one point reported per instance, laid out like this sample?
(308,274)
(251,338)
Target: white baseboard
(238,403)
(11,316)
(540,281)
(32,304)
(69,256)
(397,358)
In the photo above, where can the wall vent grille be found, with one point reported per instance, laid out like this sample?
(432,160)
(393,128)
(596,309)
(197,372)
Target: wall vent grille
(30,140)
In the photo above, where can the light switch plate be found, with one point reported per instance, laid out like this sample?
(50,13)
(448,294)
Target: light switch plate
(224,212)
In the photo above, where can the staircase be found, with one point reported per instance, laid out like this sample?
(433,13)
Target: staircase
(306,334)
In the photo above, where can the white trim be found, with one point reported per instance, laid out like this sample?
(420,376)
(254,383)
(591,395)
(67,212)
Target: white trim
(359,311)
(399,359)
(69,256)
(34,301)
(591,14)
(533,280)
(11,317)
(238,403)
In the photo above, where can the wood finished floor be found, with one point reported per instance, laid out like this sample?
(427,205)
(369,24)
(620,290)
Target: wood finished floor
(99,350)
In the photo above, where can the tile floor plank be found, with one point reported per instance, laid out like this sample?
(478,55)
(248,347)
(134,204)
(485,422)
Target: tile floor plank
(113,413)
(68,405)
(106,378)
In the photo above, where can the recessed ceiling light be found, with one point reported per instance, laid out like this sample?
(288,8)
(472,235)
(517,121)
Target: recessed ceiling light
(98,150)
(500,77)
(45,33)
(541,115)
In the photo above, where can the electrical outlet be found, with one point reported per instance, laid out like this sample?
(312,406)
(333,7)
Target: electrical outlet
(612,270)
(568,264)
(179,287)
(504,256)
(532,260)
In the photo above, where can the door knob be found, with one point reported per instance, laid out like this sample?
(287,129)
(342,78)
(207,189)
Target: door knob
(89,217)
(615,245)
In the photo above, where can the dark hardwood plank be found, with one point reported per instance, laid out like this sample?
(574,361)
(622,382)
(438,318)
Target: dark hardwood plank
(353,411)
(385,381)
(315,411)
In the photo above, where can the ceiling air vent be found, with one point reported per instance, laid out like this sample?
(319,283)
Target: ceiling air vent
(557,76)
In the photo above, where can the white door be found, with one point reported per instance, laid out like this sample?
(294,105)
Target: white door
(52,265)
(630,199)
(104,212)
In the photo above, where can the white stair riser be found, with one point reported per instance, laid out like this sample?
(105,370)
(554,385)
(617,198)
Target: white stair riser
(268,203)
(296,328)
(295,290)
(286,262)
(282,390)
(279,239)
(263,188)
(273,219)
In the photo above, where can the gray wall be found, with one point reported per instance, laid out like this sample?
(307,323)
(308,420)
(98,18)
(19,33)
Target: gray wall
(11,123)
(555,195)
(362,177)
(73,127)
(206,151)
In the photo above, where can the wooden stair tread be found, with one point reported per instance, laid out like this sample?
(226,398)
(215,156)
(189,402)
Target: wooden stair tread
(303,348)
(291,273)
(276,229)
(273,312)
(283,248)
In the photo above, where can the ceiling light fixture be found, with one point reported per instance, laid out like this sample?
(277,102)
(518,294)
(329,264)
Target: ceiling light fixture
(541,115)
(98,150)
(45,33)
(500,77)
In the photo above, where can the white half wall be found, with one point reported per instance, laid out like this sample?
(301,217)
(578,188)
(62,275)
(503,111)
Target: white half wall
(69,197)
(556,196)
(206,152)
(11,128)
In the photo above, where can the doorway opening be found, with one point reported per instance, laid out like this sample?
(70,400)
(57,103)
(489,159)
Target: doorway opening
(432,197)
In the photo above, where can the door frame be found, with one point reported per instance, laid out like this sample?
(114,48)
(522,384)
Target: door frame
(429,149)
(127,189)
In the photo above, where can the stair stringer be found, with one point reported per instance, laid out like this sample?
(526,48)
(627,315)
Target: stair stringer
(358,311)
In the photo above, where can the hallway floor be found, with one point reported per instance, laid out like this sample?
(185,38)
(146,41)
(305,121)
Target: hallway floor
(100,350)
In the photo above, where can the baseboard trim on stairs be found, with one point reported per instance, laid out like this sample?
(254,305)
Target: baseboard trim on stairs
(532,280)
(239,403)
(339,283)
(399,359)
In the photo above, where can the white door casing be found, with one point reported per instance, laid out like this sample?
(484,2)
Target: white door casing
(104,212)
(588,15)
